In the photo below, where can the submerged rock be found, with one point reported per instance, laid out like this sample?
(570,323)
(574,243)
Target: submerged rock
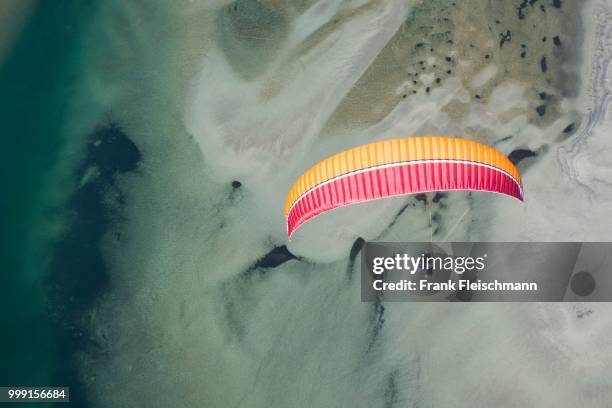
(504,37)
(277,256)
(77,272)
(519,154)
(541,110)
(569,128)
(543,64)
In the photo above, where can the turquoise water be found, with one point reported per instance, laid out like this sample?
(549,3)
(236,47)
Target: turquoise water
(36,84)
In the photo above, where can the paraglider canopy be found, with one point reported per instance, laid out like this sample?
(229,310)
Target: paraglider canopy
(398,167)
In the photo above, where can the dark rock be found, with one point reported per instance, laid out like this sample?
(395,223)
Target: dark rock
(556,3)
(541,110)
(543,64)
(521,10)
(557,40)
(504,37)
(236,184)
(520,154)
(569,128)
(356,248)
(421,197)
(277,256)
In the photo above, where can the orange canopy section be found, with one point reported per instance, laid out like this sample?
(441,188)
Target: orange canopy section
(399,166)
